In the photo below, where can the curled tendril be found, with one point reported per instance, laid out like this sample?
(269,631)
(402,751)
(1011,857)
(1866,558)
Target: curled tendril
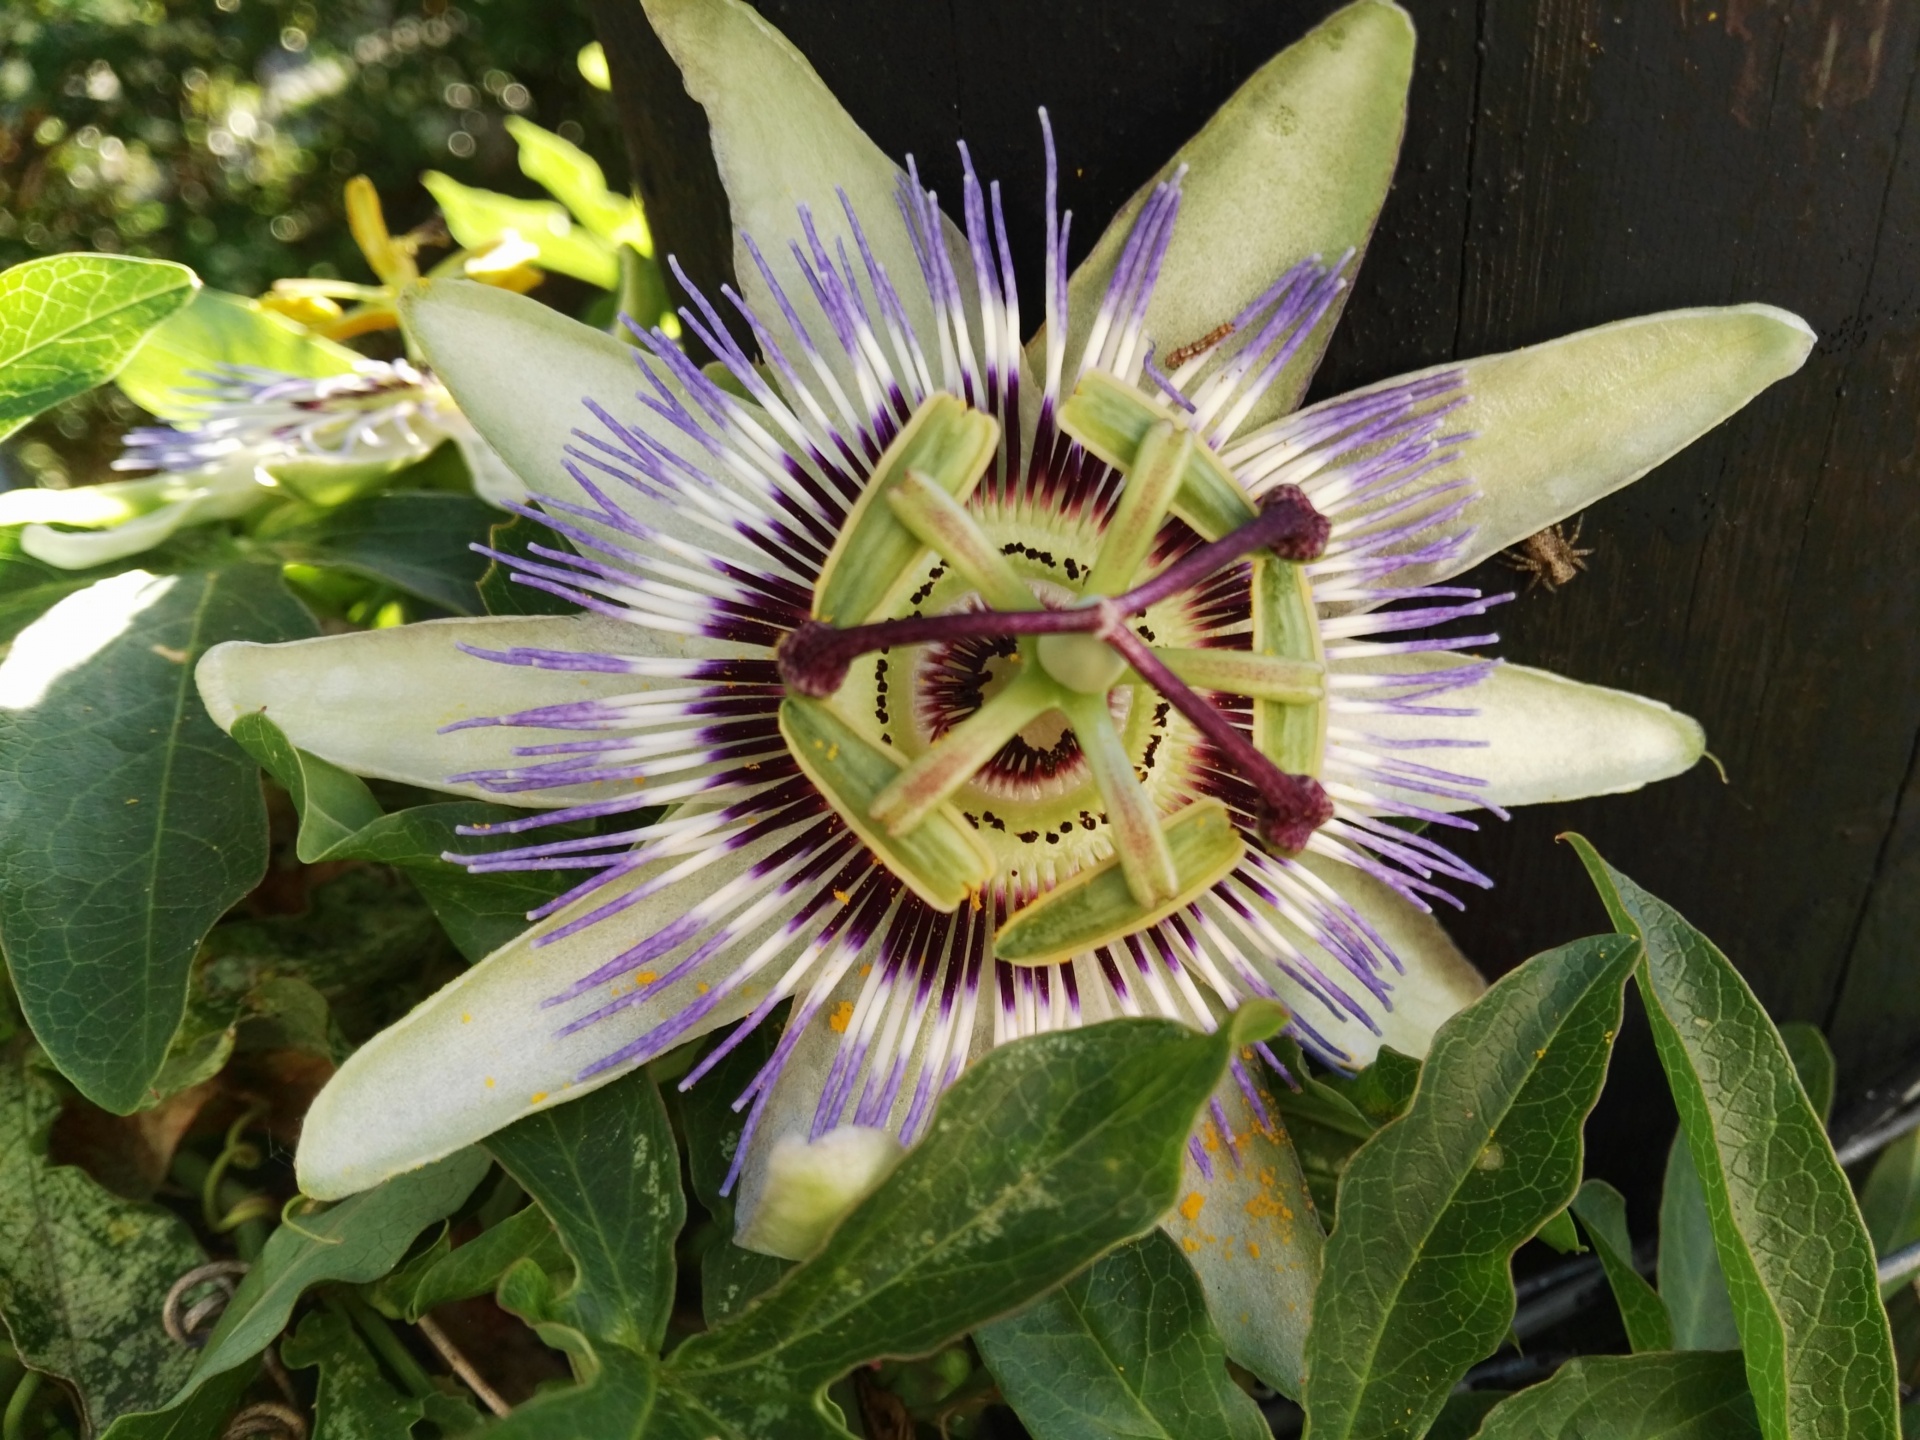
(190,1324)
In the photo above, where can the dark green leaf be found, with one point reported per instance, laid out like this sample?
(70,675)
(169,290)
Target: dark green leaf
(1460,1417)
(417,541)
(1890,1200)
(69,322)
(499,593)
(355,1400)
(201,1416)
(1799,1265)
(1416,1284)
(1559,1234)
(614,1402)
(29,587)
(1813,1062)
(1603,1214)
(729,1275)
(1123,1348)
(129,823)
(358,1240)
(1383,1090)
(341,820)
(213,331)
(1046,1153)
(606,1171)
(1693,1287)
(83,1273)
(475,1268)
(1685,1395)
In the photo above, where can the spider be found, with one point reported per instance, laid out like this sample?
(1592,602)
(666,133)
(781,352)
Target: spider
(1550,557)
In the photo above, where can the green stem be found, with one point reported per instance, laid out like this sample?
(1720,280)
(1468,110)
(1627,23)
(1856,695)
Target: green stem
(385,1343)
(190,1171)
(14,1422)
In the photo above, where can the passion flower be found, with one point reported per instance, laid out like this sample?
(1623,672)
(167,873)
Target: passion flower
(943,690)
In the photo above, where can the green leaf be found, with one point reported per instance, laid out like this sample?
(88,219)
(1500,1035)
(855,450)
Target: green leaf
(83,1273)
(213,331)
(479,219)
(1559,1234)
(1047,1152)
(355,1400)
(69,322)
(574,178)
(498,592)
(476,1267)
(1603,1215)
(1813,1062)
(616,1401)
(1890,1200)
(1799,1265)
(201,1416)
(130,823)
(1460,1417)
(730,1276)
(30,587)
(1416,1284)
(607,1172)
(341,820)
(418,541)
(1673,1396)
(1693,1287)
(358,1240)
(1123,1348)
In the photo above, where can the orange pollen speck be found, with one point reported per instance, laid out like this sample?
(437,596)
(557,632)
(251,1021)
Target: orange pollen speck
(842,1016)
(1190,1207)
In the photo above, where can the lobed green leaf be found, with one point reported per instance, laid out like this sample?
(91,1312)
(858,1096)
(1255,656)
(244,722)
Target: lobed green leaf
(354,1400)
(129,823)
(358,1240)
(1603,1215)
(1668,1396)
(1798,1263)
(1416,1285)
(1043,1155)
(69,322)
(606,1171)
(1123,1348)
(83,1273)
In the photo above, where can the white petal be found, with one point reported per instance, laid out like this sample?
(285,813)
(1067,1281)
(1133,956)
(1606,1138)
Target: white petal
(1297,163)
(483,1051)
(1545,738)
(374,702)
(1254,1240)
(1557,426)
(80,549)
(808,1187)
(1439,980)
(781,140)
(522,373)
(493,479)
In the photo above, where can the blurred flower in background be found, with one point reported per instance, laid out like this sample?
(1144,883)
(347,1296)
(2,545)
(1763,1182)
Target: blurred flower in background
(221,133)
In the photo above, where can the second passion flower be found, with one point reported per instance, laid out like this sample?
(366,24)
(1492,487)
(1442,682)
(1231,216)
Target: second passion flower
(946,690)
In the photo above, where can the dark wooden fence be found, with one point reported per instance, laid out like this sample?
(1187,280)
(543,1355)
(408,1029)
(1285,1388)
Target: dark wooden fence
(1567,162)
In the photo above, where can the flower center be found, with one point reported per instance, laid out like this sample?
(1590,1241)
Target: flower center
(1024,688)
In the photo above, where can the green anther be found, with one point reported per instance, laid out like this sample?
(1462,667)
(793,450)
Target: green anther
(1111,419)
(957,756)
(1240,672)
(1285,625)
(942,524)
(1097,906)
(1140,846)
(1083,663)
(876,557)
(941,860)
(1153,478)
